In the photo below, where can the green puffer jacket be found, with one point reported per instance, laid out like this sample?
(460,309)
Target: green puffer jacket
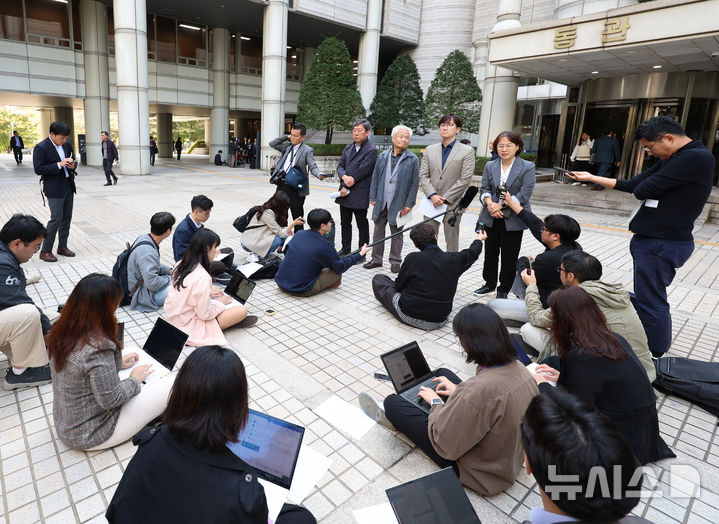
(614,302)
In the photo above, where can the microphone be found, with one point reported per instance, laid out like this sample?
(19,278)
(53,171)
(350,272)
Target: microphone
(463,204)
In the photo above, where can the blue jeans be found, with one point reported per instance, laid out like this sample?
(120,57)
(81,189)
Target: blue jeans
(655,265)
(277,242)
(160,296)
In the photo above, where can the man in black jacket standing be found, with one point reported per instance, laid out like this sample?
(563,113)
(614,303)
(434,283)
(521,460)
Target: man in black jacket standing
(17,145)
(109,156)
(423,294)
(355,171)
(54,161)
(672,194)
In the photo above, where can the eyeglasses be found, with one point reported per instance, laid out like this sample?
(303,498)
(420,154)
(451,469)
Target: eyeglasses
(648,148)
(560,269)
(506,146)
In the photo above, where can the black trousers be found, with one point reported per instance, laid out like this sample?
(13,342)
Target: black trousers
(222,266)
(346,222)
(297,203)
(179,153)
(412,421)
(292,514)
(508,243)
(107,167)
(384,291)
(17,151)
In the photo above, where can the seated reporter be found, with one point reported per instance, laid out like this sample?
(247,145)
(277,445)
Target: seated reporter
(190,306)
(311,264)
(268,228)
(423,293)
(473,426)
(92,408)
(598,366)
(183,471)
(566,438)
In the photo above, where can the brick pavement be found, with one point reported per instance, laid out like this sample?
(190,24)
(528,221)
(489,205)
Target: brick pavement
(311,349)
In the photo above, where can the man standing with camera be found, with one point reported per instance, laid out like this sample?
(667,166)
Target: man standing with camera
(297,154)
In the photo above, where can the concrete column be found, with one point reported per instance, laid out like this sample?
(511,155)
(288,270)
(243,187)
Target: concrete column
(236,128)
(46,115)
(64,114)
(220,112)
(308,53)
(96,104)
(369,53)
(133,110)
(274,76)
(164,137)
(499,99)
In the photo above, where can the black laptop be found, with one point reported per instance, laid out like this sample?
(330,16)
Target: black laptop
(408,370)
(239,287)
(437,498)
(165,343)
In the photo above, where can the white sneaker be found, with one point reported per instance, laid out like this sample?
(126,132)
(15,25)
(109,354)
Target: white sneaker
(374,409)
(34,278)
(252,257)
(576,183)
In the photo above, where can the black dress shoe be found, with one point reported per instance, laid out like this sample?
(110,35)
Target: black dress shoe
(501,294)
(115,181)
(484,290)
(372,264)
(108,184)
(344,252)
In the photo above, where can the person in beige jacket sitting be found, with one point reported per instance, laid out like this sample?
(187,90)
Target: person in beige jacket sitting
(582,269)
(268,228)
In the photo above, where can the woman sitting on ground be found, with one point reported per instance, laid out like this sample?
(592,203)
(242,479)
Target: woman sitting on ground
(600,367)
(476,430)
(92,408)
(268,228)
(193,304)
(183,471)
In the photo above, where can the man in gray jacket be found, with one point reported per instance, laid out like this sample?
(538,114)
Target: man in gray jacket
(150,279)
(582,269)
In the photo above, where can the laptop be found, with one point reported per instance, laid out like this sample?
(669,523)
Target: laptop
(161,350)
(271,446)
(434,498)
(239,288)
(408,370)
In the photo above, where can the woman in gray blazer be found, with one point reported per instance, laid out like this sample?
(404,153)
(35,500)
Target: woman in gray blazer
(503,226)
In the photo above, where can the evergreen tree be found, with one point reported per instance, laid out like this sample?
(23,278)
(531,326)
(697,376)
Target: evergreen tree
(399,97)
(20,122)
(454,90)
(329,98)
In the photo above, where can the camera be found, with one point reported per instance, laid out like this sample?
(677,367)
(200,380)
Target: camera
(277,175)
(500,192)
(479,227)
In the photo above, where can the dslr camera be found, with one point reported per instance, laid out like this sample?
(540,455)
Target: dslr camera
(277,175)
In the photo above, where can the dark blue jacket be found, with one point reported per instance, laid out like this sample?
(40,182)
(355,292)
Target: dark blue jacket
(184,232)
(12,284)
(606,150)
(44,159)
(305,257)
(359,165)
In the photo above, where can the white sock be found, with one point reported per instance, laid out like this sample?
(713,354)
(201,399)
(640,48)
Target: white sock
(18,371)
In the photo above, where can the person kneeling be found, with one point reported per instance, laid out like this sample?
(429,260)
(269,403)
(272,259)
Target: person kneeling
(311,264)
(268,228)
(476,429)
(147,277)
(183,471)
(193,304)
(423,294)
(93,409)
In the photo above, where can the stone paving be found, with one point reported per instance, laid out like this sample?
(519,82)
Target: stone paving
(314,348)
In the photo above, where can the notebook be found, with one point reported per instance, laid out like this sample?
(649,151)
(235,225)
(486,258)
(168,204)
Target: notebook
(161,350)
(438,497)
(408,370)
(271,446)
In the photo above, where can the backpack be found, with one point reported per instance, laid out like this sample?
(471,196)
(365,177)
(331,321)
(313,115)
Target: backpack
(242,221)
(693,380)
(270,266)
(119,271)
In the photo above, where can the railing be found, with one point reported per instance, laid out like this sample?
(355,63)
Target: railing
(186,60)
(49,40)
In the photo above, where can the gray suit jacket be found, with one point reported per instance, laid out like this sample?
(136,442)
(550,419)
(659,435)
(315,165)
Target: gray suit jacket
(520,184)
(304,160)
(144,263)
(451,181)
(407,183)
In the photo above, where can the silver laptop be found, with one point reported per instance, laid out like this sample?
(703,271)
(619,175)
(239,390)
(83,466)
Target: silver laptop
(408,370)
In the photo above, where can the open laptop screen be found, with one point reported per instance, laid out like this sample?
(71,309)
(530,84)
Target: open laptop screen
(271,446)
(165,343)
(406,366)
(239,287)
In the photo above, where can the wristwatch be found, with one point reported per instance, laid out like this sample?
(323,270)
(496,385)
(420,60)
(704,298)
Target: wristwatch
(436,401)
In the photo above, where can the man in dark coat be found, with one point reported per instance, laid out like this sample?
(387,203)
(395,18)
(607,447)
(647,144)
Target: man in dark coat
(355,171)
(252,153)
(605,154)
(54,161)
(178,147)
(109,156)
(17,145)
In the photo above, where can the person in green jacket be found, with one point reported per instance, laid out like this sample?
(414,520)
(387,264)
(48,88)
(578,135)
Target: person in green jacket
(582,269)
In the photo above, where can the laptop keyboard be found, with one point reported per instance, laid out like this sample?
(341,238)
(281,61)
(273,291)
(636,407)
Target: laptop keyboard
(411,394)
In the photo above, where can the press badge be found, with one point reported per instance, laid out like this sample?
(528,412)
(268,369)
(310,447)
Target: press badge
(650,202)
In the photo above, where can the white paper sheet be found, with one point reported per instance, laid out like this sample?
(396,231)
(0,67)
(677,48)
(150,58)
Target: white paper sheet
(379,514)
(345,417)
(533,366)
(403,220)
(219,256)
(276,497)
(311,465)
(159,370)
(426,207)
(249,269)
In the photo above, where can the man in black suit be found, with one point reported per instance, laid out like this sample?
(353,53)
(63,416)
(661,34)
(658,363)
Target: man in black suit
(54,161)
(109,156)
(17,146)
(605,154)
(423,294)
(355,171)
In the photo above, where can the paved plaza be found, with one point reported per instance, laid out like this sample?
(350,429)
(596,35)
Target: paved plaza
(314,348)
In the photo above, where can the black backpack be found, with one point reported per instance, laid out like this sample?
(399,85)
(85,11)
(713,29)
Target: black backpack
(119,271)
(242,221)
(693,380)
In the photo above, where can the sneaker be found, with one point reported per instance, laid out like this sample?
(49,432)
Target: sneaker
(249,320)
(576,183)
(374,409)
(31,377)
(253,257)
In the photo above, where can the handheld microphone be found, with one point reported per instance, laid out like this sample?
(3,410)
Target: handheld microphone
(463,204)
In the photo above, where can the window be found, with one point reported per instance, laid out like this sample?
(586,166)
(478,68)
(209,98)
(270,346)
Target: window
(110,32)
(191,44)
(233,51)
(11,22)
(48,22)
(76,29)
(294,65)
(151,41)
(166,40)
(251,55)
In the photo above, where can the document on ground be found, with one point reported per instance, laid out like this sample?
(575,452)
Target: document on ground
(345,417)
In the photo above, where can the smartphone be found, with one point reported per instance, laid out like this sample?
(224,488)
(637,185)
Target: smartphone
(562,170)
(270,312)
(382,376)
(528,266)
(479,228)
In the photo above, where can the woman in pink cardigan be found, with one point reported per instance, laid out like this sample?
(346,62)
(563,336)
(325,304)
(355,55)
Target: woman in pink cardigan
(193,304)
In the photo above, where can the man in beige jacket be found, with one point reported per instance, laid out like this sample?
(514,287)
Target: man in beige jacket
(445,173)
